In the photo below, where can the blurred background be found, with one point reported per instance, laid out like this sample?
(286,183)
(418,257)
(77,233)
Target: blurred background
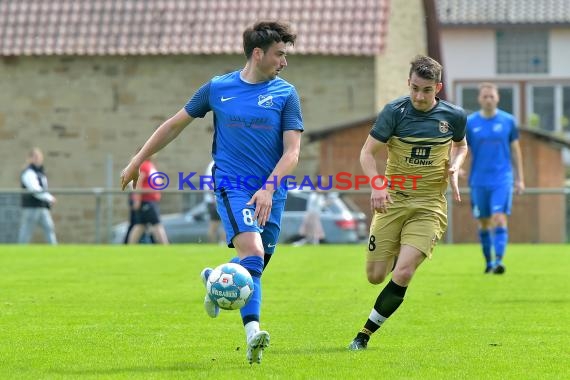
(88,81)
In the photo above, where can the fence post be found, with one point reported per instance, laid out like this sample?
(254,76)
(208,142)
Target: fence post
(97,191)
(109,184)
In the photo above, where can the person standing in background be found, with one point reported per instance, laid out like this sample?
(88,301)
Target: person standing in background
(493,140)
(216,234)
(36,203)
(146,209)
(311,230)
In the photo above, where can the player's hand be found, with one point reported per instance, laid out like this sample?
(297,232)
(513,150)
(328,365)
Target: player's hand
(263,200)
(130,173)
(519,187)
(379,200)
(453,173)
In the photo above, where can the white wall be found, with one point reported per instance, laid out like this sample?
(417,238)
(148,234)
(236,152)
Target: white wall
(467,54)
(560,53)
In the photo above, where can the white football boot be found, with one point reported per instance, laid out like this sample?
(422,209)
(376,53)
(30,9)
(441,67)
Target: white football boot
(255,346)
(211,308)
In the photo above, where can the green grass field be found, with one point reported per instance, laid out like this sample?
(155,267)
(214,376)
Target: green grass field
(136,312)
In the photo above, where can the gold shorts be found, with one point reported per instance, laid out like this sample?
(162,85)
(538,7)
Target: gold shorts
(418,222)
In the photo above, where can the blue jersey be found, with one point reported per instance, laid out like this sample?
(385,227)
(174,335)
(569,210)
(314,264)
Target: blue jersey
(490,141)
(249,121)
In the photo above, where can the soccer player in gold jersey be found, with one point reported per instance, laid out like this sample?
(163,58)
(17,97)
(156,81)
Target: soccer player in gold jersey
(425,138)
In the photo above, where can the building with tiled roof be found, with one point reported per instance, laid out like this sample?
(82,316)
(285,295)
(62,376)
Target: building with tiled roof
(503,12)
(149,27)
(520,44)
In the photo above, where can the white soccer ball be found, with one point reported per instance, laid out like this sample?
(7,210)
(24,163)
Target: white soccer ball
(230,286)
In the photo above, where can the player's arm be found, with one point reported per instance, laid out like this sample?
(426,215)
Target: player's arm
(379,197)
(159,139)
(263,198)
(288,161)
(457,157)
(516,157)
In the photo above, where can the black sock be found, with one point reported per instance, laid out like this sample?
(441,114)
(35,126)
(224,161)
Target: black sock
(390,298)
(364,334)
(266,258)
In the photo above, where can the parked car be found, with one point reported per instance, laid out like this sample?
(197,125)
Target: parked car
(342,222)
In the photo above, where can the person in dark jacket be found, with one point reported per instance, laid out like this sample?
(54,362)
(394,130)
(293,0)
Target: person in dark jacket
(36,203)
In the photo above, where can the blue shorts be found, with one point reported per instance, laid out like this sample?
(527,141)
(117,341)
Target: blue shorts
(237,217)
(486,201)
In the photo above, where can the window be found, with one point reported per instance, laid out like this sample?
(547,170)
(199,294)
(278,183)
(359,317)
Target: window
(468,94)
(295,203)
(522,51)
(546,104)
(549,106)
(565,120)
(542,108)
(469,99)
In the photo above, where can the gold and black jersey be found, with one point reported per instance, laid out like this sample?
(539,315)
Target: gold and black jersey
(419,144)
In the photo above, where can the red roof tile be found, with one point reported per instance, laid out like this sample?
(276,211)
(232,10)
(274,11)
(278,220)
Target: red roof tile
(141,27)
(503,12)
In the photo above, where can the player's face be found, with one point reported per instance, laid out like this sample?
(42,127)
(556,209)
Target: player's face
(37,158)
(423,92)
(488,99)
(273,60)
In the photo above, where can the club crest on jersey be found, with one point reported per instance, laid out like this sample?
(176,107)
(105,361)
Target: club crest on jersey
(265,101)
(443,126)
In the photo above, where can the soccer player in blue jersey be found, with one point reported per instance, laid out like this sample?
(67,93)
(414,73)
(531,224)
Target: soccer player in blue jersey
(257,137)
(493,139)
(424,137)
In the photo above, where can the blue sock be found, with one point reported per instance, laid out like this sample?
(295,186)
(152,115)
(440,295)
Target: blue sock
(500,239)
(486,242)
(252,310)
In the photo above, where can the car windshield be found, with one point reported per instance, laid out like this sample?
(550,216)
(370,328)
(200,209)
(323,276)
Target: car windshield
(335,205)
(297,201)
(350,204)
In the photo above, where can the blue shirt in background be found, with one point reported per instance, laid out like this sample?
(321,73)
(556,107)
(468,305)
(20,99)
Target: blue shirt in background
(490,141)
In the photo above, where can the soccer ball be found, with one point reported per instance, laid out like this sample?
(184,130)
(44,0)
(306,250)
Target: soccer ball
(230,286)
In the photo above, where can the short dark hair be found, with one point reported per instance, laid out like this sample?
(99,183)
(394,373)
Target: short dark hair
(264,33)
(426,68)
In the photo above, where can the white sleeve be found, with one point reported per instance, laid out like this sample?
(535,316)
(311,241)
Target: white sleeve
(208,194)
(208,171)
(31,183)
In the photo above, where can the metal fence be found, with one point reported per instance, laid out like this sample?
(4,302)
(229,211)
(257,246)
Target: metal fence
(87,215)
